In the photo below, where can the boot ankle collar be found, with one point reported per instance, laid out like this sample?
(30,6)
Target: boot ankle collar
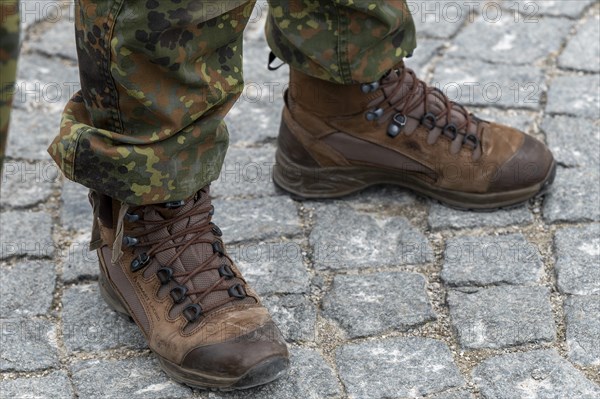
(324,98)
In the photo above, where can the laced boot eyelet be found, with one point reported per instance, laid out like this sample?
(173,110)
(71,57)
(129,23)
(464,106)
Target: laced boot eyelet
(216,230)
(374,115)
(429,120)
(225,271)
(398,123)
(369,87)
(472,139)
(138,263)
(217,247)
(132,217)
(130,241)
(174,204)
(178,293)
(237,291)
(192,312)
(164,275)
(450,131)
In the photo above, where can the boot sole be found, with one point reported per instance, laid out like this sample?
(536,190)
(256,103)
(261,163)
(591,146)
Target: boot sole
(262,373)
(335,182)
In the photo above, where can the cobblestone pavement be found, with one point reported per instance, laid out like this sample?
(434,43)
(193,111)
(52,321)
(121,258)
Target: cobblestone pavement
(382,294)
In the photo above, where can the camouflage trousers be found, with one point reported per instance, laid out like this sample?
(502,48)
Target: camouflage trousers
(158,78)
(9,51)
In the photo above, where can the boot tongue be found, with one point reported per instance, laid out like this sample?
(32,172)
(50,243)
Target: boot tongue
(172,209)
(195,255)
(163,212)
(168,213)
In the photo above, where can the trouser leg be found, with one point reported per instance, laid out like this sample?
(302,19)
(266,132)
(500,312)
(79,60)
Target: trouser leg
(157,79)
(9,52)
(342,41)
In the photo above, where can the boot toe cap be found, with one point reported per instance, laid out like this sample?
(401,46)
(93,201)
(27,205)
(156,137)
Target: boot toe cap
(253,359)
(531,165)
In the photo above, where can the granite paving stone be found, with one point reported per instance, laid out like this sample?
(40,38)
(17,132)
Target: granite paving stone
(59,40)
(26,233)
(531,10)
(574,197)
(27,344)
(76,214)
(540,374)
(273,267)
(250,124)
(475,83)
(129,378)
(309,376)
(45,83)
(343,238)
(255,117)
(577,260)
(500,317)
(246,172)
(494,259)
(255,43)
(441,18)
(255,28)
(256,219)
(583,50)
(574,142)
(518,119)
(263,92)
(78,261)
(372,304)
(443,217)
(454,394)
(90,325)
(54,385)
(381,198)
(26,288)
(41,10)
(31,133)
(574,95)
(25,184)
(295,315)
(508,41)
(583,329)
(397,367)
(423,54)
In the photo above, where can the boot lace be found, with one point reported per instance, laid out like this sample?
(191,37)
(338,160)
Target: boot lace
(397,107)
(202,232)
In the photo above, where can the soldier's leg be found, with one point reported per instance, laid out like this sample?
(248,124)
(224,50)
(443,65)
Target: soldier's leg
(146,133)
(342,41)
(9,52)
(356,116)
(157,79)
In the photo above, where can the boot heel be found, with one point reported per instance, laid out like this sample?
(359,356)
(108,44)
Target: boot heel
(314,182)
(111,298)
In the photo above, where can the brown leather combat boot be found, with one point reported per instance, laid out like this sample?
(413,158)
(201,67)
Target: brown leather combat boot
(174,278)
(338,139)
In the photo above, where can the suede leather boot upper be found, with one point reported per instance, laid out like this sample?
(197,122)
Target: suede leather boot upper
(337,139)
(175,279)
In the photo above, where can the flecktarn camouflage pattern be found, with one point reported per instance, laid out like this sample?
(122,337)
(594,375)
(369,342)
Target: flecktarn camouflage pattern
(158,78)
